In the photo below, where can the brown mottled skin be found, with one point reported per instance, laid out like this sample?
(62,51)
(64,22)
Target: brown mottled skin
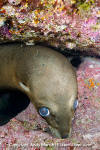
(48,75)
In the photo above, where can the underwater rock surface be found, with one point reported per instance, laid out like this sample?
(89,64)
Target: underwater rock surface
(26,130)
(72,24)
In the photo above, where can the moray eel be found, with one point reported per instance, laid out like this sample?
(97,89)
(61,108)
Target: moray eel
(48,80)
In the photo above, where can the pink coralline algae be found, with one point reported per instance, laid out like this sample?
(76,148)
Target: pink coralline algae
(5,32)
(26,131)
(73,24)
(14,2)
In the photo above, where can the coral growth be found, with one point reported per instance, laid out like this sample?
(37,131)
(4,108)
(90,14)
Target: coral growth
(66,24)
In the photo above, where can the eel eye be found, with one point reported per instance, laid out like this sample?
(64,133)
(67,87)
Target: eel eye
(75,104)
(44,112)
